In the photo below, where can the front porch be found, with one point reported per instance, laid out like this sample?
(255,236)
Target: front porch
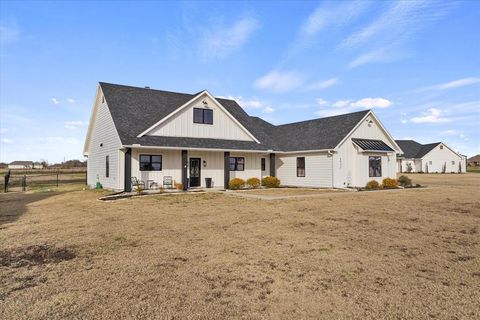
(164,168)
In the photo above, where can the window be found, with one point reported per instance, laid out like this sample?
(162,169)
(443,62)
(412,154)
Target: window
(441,147)
(429,162)
(301,167)
(204,116)
(263,164)
(150,162)
(453,162)
(237,164)
(375,166)
(107,166)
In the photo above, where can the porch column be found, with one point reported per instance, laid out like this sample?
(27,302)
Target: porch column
(272,164)
(226,169)
(127,185)
(184,169)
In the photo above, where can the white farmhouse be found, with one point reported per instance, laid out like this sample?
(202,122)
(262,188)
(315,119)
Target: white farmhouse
(429,158)
(154,136)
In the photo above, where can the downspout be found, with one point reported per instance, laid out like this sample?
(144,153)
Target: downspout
(330,153)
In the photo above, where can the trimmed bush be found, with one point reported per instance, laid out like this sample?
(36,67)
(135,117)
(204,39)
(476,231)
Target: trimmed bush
(390,183)
(179,186)
(404,181)
(271,182)
(372,185)
(253,183)
(236,184)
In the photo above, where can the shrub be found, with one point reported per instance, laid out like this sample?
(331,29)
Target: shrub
(404,181)
(409,167)
(253,183)
(390,183)
(236,184)
(372,185)
(271,182)
(179,186)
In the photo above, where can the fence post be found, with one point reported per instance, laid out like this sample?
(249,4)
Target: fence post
(57,178)
(24,183)
(6,181)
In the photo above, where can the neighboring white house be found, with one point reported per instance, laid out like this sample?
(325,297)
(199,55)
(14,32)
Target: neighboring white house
(20,165)
(429,158)
(151,134)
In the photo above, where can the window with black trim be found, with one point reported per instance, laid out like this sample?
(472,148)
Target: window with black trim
(301,167)
(107,166)
(375,166)
(237,163)
(150,162)
(204,116)
(263,164)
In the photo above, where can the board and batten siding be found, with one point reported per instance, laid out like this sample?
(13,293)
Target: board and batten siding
(104,141)
(318,170)
(440,157)
(351,166)
(181,124)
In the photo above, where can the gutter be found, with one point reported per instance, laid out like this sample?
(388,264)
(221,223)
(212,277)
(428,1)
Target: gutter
(138,146)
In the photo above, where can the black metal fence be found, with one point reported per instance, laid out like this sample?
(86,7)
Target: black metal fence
(41,179)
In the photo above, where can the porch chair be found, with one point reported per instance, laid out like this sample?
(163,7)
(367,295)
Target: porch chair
(137,183)
(168,182)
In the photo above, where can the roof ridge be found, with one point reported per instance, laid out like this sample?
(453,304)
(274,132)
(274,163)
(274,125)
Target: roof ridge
(322,118)
(143,88)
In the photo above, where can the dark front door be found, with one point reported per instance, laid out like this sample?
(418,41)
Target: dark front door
(194,172)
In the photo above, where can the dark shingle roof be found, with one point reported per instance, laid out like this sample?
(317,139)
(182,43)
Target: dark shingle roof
(135,109)
(372,145)
(317,134)
(413,149)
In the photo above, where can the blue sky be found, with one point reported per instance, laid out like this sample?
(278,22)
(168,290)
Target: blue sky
(415,63)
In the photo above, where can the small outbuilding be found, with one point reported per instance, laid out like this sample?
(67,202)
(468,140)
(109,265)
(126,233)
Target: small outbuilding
(435,157)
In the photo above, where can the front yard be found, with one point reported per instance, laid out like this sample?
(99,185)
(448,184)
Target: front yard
(410,254)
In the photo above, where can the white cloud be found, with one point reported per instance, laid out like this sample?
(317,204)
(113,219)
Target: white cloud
(70,100)
(453,84)
(341,103)
(347,106)
(332,14)
(367,103)
(7,141)
(449,133)
(369,57)
(268,110)
(322,102)
(55,101)
(432,115)
(454,133)
(74,124)
(401,21)
(254,103)
(220,41)
(320,85)
(398,24)
(277,81)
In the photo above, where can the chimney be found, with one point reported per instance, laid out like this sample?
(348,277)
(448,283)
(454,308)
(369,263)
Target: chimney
(147,87)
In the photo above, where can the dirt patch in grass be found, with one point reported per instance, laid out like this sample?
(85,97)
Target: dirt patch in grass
(413,254)
(34,255)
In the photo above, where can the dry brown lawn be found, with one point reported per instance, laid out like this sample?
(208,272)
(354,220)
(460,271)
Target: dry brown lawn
(409,254)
